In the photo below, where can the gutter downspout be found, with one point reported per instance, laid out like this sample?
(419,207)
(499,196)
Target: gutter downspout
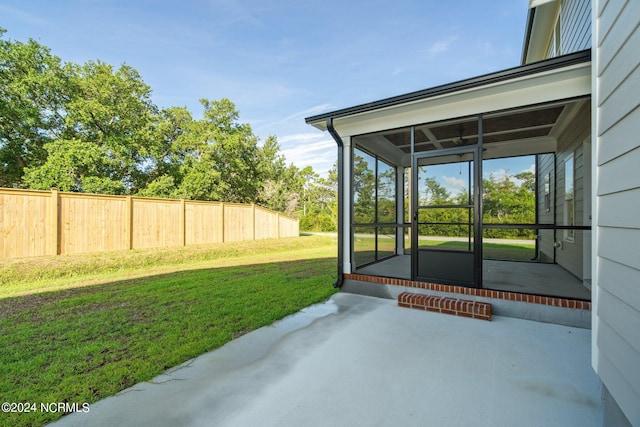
(338,140)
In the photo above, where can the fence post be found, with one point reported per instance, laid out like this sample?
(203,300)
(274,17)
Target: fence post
(53,223)
(253,220)
(278,224)
(222,222)
(128,222)
(182,232)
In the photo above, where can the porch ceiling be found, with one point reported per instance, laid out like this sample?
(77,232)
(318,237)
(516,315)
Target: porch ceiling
(508,127)
(515,132)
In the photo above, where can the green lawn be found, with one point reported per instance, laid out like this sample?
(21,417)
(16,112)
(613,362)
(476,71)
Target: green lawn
(364,248)
(499,251)
(78,329)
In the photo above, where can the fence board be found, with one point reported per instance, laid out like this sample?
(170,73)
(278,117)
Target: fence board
(289,227)
(37,223)
(237,222)
(203,223)
(23,224)
(155,223)
(92,224)
(266,224)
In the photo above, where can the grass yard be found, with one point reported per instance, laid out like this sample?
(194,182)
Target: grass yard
(504,250)
(80,328)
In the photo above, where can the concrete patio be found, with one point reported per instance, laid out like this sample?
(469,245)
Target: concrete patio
(363,361)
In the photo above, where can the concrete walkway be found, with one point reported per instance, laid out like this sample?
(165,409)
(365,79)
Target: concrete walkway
(363,361)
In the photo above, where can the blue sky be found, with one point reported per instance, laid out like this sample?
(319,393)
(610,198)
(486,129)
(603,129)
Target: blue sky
(280,61)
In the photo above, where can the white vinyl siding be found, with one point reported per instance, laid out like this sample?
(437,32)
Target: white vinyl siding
(546,167)
(617,156)
(571,256)
(574,26)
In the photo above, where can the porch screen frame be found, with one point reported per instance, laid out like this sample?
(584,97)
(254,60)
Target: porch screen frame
(476,150)
(375,225)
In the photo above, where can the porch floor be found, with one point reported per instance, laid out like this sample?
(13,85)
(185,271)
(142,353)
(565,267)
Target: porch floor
(523,277)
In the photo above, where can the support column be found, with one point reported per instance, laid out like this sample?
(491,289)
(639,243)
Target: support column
(399,210)
(347,200)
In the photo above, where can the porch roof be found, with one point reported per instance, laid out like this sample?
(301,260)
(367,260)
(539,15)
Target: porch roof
(563,77)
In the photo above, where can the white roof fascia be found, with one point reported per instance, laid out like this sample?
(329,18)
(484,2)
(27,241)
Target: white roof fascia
(536,3)
(541,31)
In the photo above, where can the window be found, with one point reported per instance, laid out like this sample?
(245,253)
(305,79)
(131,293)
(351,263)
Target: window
(555,44)
(569,197)
(557,35)
(547,192)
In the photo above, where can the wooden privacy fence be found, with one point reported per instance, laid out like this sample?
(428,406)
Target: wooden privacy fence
(36,223)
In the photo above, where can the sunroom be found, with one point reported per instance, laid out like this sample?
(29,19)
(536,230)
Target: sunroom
(483,183)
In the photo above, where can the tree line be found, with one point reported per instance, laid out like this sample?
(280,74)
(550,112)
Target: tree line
(509,199)
(94,128)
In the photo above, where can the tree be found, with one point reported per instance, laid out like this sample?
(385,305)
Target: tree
(113,110)
(319,205)
(214,158)
(73,165)
(434,193)
(107,115)
(507,202)
(364,183)
(161,169)
(33,98)
(220,157)
(94,128)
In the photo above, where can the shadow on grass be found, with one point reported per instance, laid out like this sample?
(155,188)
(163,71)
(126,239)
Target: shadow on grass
(87,343)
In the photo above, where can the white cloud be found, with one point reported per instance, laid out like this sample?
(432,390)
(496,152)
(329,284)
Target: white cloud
(486,48)
(531,168)
(441,46)
(287,126)
(301,137)
(316,109)
(315,150)
(453,184)
(24,16)
(498,174)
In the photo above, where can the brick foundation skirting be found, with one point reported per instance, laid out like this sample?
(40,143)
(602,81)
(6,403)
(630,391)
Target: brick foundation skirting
(446,305)
(485,293)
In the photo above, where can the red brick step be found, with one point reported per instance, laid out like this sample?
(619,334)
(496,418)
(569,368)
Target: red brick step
(446,305)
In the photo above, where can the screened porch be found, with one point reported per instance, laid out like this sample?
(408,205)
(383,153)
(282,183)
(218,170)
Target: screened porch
(498,200)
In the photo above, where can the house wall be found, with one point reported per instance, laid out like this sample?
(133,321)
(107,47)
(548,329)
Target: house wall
(570,256)
(546,165)
(616,320)
(575,28)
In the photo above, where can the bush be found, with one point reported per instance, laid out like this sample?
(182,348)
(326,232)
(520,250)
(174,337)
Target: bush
(318,222)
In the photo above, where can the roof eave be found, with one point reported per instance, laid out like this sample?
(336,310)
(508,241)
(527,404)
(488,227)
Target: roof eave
(511,73)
